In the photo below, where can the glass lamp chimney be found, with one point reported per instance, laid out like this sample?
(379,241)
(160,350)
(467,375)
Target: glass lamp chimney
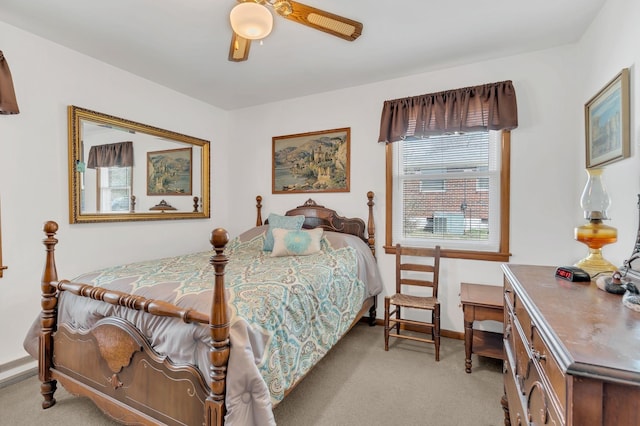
(595,200)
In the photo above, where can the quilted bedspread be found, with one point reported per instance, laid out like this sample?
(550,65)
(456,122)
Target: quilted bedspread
(285,312)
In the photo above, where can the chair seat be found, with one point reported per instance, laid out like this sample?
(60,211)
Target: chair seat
(409,301)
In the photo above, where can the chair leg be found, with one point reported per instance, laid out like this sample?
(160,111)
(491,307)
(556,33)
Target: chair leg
(386,324)
(436,330)
(397,317)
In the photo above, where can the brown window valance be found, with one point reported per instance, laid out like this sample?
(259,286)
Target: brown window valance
(489,106)
(118,154)
(8,102)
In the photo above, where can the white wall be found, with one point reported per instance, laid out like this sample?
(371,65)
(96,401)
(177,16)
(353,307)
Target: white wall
(33,172)
(543,185)
(547,159)
(610,45)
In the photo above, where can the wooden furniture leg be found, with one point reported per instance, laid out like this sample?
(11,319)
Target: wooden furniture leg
(372,312)
(468,339)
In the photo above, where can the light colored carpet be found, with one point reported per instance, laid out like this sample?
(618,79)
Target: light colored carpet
(357,383)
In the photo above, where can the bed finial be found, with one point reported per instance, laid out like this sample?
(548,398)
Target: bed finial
(50,228)
(219,328)
(219,239)
(259,207)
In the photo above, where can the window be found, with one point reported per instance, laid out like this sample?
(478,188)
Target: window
(114,185)
(451,190)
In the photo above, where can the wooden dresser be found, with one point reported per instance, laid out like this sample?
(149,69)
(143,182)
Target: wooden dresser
(572,352)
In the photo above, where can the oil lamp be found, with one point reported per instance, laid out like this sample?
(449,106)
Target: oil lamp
(595,234)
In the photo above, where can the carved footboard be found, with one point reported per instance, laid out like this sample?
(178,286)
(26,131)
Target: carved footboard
(113,363)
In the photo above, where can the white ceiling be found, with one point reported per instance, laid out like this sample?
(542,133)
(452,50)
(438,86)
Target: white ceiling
(184,44)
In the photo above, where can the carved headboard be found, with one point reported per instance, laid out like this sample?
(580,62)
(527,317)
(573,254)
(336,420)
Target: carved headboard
(317,216)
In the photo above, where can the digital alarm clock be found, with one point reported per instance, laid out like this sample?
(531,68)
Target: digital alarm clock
(572,273)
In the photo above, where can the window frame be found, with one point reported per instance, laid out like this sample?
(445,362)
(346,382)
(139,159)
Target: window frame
(503,254)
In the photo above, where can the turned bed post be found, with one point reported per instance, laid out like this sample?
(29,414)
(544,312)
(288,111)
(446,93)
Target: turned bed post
(219,326)
(259,207)
(371,240)
(48,317)
(371,227)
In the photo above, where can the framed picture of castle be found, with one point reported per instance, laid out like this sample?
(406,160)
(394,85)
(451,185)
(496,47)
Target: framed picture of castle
(169,172)
(311,162)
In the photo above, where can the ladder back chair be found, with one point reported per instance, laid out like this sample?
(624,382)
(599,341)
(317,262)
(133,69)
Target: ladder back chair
(415,267)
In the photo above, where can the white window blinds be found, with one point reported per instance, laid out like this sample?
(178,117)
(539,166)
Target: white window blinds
(446,191)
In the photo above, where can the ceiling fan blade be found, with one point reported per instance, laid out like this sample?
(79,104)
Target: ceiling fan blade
(239,49)
(329,23)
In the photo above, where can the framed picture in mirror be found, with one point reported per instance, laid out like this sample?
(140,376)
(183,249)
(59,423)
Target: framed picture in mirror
(169,172)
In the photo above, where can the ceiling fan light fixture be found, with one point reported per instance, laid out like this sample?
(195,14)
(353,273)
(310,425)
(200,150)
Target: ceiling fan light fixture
(251,20)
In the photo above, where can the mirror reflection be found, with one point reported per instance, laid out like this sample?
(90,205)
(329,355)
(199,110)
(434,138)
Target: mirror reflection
(122,170)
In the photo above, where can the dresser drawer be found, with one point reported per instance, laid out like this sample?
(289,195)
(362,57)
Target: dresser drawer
(517,412)
(509,294)
(539,407)
(540,402)
(508,335)
(521,354)
(549,370)
(531,402)
(523,318)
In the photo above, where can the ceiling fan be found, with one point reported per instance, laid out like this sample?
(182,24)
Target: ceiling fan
(252,20)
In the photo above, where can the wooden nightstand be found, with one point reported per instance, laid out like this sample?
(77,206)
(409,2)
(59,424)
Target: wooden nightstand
(480,303)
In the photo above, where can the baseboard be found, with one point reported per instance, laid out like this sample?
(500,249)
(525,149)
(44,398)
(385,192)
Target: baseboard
(444,333)
(18,370)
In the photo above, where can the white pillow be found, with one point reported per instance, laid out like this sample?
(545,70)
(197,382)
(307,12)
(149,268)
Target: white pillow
(296,243)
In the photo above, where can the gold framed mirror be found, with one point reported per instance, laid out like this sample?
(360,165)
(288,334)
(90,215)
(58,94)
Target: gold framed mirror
(120,170)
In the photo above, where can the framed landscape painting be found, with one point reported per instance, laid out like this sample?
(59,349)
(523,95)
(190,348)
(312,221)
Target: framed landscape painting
(169,172)
(607,123)
(311,162)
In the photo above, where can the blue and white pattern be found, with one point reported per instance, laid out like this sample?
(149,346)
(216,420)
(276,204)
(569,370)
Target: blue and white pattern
(281,222)
(302,305)
(296,243)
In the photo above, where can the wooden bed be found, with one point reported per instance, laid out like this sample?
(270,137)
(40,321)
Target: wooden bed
(113,363)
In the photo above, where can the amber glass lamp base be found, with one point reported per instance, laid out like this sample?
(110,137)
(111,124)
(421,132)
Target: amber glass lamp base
(596,235)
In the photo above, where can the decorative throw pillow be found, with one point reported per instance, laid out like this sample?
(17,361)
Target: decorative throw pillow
(284,222)
(296,242)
